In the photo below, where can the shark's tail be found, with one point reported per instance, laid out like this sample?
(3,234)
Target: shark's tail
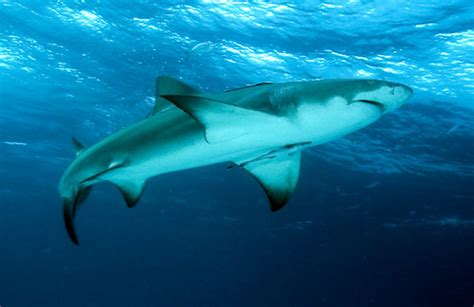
(75,192)
(70,206)
(68,211)
(131,191)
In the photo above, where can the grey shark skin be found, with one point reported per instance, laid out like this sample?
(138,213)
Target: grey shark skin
(261,128)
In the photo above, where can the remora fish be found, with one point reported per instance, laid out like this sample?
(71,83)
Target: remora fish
(261,128)
(199,48)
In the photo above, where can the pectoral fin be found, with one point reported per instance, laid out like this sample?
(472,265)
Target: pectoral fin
(278,177)
(131,190)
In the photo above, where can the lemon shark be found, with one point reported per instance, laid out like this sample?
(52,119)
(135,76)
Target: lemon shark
(260,128)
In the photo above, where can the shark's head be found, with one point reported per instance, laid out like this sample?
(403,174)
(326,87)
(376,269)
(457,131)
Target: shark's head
(333,108)
(384,95)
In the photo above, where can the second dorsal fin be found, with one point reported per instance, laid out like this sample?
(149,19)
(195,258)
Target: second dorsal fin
(77,146)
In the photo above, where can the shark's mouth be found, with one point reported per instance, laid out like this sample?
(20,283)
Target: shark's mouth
(379,105)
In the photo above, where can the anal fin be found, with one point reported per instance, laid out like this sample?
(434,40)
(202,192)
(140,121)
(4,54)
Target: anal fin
(131,190)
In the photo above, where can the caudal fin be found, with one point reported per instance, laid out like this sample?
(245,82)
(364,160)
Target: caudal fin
(70,207)
(68,211)
(131,191)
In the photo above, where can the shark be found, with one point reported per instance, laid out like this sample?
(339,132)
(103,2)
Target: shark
(261,128)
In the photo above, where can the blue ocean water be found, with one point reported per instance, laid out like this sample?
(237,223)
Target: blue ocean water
(382,217)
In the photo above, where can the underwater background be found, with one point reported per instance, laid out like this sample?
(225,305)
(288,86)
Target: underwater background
(382,217)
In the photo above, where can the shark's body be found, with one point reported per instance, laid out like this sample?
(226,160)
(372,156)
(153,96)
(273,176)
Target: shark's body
(261,128)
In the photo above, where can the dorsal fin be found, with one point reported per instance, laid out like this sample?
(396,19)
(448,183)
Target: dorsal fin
(77,146)
(169,86)
(249,86)
(224,122)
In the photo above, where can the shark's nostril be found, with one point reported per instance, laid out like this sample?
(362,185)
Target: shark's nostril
(392,91)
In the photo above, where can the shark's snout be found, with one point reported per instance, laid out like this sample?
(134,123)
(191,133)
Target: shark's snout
(400,90)
(398,94)
(384,95)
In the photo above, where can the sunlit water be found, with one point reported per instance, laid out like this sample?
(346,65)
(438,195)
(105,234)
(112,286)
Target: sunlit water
(377,214)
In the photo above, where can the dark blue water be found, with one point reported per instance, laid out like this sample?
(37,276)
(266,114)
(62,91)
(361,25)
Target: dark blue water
(382,217)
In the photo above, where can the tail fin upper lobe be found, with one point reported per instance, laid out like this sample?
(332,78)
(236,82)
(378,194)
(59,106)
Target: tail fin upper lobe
(68,211)
(70,206)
